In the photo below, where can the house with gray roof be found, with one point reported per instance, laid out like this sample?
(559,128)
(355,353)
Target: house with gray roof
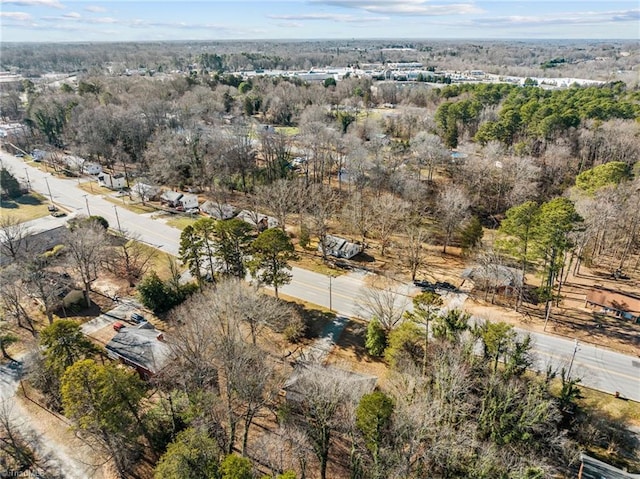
(257,220)
(340,247)
(142,347)
(307,375)
(592,468)
(494,276)
(219,211)
(171,198)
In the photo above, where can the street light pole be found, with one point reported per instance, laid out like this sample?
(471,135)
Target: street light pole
(573,356)
(86,199)
(117,218)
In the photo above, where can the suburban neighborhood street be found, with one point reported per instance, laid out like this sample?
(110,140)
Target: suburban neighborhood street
(598,368)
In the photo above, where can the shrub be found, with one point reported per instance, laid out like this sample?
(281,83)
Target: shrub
(376,341)
(304,238)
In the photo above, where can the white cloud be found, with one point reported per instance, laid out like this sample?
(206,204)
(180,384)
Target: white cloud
(334,17)
(95,9)
(102,20)
(17,16)
(290,24)
(565,18)
(72,16)
(404,7)
(33,3)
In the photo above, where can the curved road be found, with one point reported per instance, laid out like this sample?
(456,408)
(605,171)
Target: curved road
(599,368)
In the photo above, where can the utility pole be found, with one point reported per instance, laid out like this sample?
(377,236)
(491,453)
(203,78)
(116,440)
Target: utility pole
(86,199)
(330,292)
(573,356)
(115,208)
(26,172)
(49,190)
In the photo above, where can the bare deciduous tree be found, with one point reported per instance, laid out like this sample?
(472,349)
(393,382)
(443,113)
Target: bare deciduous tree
(86,248)
(453,209)
(384,301)
(12,294)
(320,410)
(322,204)
(387,213)
(278,198)
(429,151)
(130,259)
(413,248)
(14,236)
(213,353)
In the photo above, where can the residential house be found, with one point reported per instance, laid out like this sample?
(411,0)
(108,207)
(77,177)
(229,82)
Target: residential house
(171,198)
(591,468)
(257,220)
(113,182)
(340,247)
(188,201)
(74,163)
(615,303)
(39,240)
(38,155)
(219,211)
(144,191)
(295,388)
(494,277)
(142,347)
(91,168)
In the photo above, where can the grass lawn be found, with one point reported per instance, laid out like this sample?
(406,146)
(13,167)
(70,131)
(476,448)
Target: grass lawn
(288,130)
(92,188)
(26,208)
(128,205)
(160,261)
(615,408)
(308,260)
(181,222)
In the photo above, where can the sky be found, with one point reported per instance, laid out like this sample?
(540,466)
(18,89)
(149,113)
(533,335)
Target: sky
(157,20)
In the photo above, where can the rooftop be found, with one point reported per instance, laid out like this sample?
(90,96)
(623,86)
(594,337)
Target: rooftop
(144,346)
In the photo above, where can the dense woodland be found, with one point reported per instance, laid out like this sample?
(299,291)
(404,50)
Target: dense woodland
(569,58)
(552,171)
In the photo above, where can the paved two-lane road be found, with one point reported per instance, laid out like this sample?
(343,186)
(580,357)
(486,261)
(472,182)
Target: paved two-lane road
(599,368)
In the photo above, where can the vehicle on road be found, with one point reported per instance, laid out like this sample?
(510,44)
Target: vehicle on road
(137,318)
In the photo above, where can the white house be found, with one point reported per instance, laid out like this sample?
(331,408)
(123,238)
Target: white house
(114,182)
(92,168)
(188,201)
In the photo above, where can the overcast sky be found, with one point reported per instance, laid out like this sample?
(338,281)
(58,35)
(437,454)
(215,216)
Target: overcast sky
(148,20)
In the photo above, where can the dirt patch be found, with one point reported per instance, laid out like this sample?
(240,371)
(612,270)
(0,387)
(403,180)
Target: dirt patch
(76,455)
(350,352)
